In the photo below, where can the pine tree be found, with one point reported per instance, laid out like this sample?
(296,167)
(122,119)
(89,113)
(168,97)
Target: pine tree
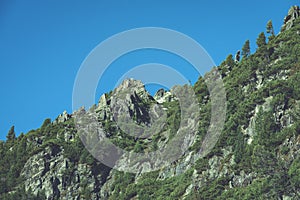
(229,61)
(46,123)
(246,49)
(239,146)
(270,30)
(11,136)
(294,173)
(261,40)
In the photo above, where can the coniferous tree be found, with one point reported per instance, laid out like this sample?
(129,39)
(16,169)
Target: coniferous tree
(229,60)
(11,136)
(46,123)
(270,30)
(239,147)
(261,40)
(246,49)
(294,173)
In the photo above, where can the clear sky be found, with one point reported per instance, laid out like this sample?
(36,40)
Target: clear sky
(43,43)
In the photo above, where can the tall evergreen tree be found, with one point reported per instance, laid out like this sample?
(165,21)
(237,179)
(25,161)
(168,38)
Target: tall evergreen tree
(46,123)
(11,136)
(229,60)
(261,40)
(246,49)
(270,30)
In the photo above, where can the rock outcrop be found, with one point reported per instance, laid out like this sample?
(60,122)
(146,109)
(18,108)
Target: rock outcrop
(289,20)
(255,157)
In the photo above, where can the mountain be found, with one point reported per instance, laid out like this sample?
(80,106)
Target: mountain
(255,156)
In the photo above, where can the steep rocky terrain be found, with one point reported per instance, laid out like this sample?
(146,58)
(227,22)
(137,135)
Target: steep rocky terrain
(256,156)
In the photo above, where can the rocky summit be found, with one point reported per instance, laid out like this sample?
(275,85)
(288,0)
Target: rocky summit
(255,156)
(291,19)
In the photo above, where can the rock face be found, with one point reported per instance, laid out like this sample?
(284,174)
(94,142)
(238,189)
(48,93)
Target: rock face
(126,101)
(289,20)
(256,156)
(63,117)
(48,171)
(162,96)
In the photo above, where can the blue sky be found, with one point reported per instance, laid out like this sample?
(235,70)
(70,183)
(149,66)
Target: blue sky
(43,43)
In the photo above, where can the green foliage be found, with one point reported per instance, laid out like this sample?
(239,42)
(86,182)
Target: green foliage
(21,194)
(86,157)
(294,173)
(200,88)
(46,123)
(201,165)
(11,135)
(246,49)
(239,147)
(267,158)
(211,190)
(261,40)
(270,30)
(138,148)
(263,160)
(121,182)
(73,150)
(229,61)
(258,189)
(265,128)
(270,27)
(149,187)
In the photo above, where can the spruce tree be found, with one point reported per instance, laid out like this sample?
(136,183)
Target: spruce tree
(246,49)
(11,136)
(270,30)
(261,40)
(229,61)
(46,123)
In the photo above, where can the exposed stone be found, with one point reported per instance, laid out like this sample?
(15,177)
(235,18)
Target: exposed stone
(289,20)
(46,171)
(63,117)
(162,96)
(242,179)
(49,169)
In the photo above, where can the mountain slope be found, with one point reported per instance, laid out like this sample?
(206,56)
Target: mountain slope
(256,156)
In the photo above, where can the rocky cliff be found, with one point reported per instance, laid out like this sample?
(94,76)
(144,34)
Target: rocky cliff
(256,156)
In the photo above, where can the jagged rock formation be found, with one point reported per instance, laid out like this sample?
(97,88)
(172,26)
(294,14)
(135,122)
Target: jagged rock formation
(256,156)
(47,171)
(63,117)
(289,20)
(162,96)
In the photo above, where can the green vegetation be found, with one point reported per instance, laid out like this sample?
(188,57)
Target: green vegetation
(261,40)
(16,151)
(256,156)
(270,30)
(246,49)
(150,186)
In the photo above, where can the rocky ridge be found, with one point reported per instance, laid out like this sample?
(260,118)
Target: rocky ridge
(257,151)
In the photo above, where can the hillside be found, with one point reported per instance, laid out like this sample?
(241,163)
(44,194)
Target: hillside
(256,156)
